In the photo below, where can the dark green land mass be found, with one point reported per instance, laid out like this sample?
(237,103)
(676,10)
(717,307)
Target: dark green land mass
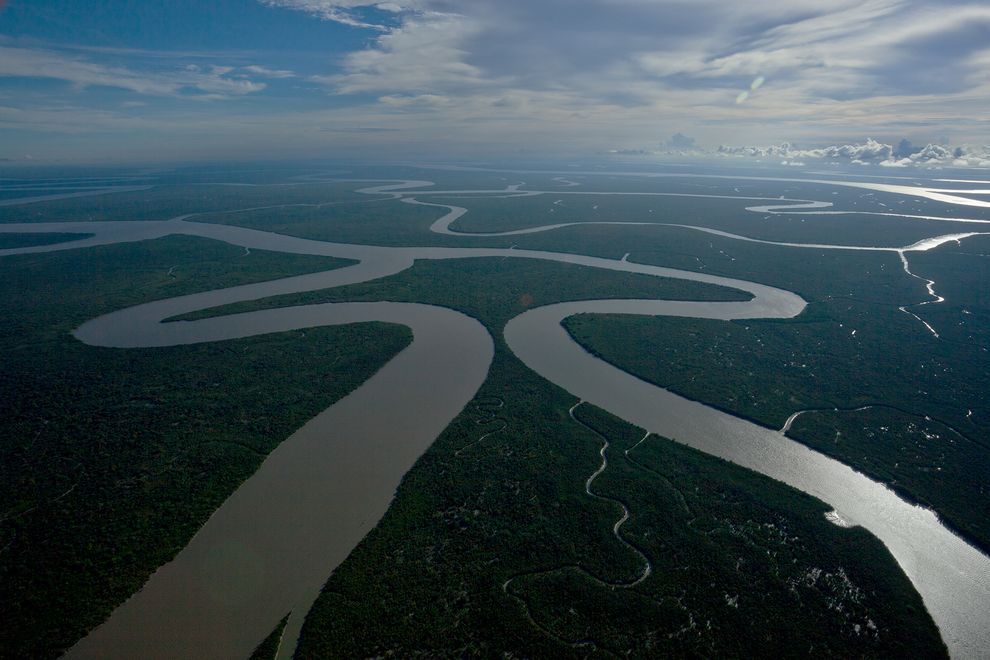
(926,432)
(492,547)
(506,287)
(961,273)
(162,202)
(742,565)
(115,457)
(730,215)
(364,220)
(815,274)
(204,193)
(111,459)
(8,241)
(354,217)
(268,648)
(19,194)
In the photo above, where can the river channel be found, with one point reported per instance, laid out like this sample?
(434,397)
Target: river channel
(269,548)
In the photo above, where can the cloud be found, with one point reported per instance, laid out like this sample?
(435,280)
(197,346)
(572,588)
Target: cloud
(934,155)
(631,152)
(801,68)
(360,129)
(570,77)
(67,120)
(415,101)
(870,152)
(345,12)
(265,72)
(680,142)
(426,55)
(194,81)
(972,156)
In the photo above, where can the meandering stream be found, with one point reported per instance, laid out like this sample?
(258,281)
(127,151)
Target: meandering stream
(269,548)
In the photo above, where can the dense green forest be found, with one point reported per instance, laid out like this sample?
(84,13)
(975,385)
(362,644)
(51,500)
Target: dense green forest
(8,241)
(506,287)
(501,494)
(926,429)
(500,497)
(112,458)
(583,206)
(268,648)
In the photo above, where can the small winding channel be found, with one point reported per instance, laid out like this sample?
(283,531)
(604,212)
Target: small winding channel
(269,548)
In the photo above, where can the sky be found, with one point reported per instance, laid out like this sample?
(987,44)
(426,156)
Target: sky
(126,80)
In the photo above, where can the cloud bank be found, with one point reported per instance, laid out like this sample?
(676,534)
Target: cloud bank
(869,152)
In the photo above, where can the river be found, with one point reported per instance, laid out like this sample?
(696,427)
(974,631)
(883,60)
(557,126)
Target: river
(269,548)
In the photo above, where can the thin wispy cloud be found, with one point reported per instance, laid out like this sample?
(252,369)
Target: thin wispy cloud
(345,12)
(211,81)
(265,72)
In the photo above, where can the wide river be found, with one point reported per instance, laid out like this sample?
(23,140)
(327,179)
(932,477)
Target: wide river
(269,548)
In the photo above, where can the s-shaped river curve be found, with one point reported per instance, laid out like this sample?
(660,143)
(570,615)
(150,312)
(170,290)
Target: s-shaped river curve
(283,524)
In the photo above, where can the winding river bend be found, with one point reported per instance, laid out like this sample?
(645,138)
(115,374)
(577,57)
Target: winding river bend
(269,548)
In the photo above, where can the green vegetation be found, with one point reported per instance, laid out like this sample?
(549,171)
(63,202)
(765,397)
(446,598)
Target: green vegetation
(500,497)
(491,547)
(478,510)
(505,214)
(927,440)
(19,194)
(815,274)
(152,440)
(162,202)
(268,648)
(961,273)
(925,460)
(365,220)
(8,241)
(766,370)
(111,459)
(498,287)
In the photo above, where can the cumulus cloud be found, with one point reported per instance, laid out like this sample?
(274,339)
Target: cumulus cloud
(680,141)
(934,155)
(972,156)
(679,144)
(870,152)
(426,55)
